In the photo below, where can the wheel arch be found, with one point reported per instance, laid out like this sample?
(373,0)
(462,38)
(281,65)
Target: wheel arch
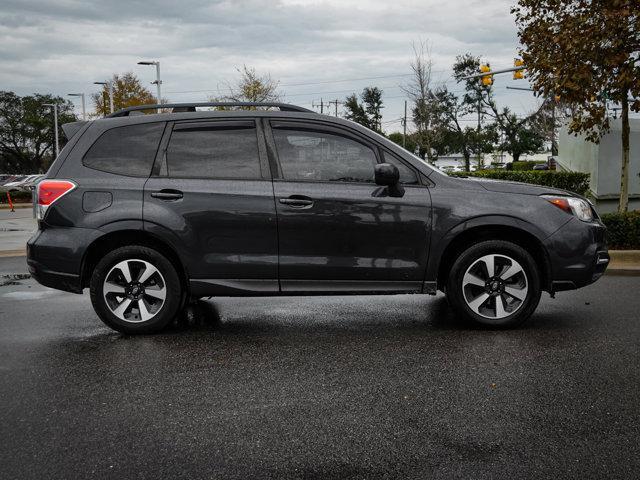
(469,233)
(127,237)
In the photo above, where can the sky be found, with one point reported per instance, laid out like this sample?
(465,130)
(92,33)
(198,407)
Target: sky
(315,49)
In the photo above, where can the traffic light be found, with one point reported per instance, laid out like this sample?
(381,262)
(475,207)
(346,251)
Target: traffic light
(487,80)
(518,74)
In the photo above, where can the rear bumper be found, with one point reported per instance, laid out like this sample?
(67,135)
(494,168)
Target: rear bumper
(578,255)
(54,256)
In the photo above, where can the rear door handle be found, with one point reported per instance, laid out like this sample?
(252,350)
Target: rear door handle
(167,194)
(296,201)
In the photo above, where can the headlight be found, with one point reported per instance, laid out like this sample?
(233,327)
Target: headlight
(572,205)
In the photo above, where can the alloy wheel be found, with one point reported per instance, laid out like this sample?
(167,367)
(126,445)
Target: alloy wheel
(495,286)
(134,290)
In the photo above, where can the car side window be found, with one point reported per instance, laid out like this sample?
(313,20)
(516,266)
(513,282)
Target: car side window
(323,156)
(407,175)
(213,152)
(128,150)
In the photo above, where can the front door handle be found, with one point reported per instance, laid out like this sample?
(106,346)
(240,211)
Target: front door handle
(297,201)
(168,194)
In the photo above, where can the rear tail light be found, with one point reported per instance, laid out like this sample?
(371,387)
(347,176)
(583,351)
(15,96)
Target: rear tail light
(49,191)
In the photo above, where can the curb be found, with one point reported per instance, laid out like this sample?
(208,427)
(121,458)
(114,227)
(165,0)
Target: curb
(13,253)
(4,206)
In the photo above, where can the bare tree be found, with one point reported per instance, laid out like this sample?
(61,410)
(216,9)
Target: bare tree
(251,87)
(420,93)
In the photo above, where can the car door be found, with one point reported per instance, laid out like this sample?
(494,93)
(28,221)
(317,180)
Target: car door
(211,196)
(338,230)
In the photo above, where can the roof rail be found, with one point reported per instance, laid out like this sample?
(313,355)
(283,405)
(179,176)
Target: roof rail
(191,107)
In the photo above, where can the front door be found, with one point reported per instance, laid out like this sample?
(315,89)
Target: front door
(338,230)
(211,197)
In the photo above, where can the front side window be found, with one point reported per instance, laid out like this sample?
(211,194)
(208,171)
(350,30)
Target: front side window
(128,150)
(323,156)
(213,152)
(407,175)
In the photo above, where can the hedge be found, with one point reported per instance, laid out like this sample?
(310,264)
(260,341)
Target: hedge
(524,165)
(576,182)
(16,197)
(623,230)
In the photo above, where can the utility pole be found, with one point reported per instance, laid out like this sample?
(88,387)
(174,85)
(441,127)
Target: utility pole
(55,124)
(321,105)
(404,126)
(479,127)
(335,102)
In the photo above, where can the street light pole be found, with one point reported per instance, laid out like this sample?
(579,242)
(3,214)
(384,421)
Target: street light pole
(81,95)
(109,84)
(55,124)
(158,82)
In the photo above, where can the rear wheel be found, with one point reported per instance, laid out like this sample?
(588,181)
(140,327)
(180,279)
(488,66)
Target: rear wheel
(136,289)
(494,283)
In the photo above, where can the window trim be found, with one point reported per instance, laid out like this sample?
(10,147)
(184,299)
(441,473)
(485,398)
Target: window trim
(316,127)
(214,124)
(104,132)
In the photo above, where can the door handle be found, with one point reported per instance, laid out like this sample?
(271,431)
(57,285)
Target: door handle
(167,194)
(296,201)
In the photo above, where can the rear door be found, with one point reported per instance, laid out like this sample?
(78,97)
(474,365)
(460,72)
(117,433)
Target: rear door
(211,196)
(338,230)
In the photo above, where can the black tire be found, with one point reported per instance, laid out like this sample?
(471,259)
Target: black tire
(519,310)
(170,281)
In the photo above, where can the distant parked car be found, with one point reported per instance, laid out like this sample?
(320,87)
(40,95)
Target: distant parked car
(12,184)
(30,182)
(541,166)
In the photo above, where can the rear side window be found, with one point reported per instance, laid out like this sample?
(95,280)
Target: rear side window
(128,150)
(213,152)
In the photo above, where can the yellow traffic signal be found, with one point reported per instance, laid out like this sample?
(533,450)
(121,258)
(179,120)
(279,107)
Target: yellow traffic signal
(487,80)
(518,74)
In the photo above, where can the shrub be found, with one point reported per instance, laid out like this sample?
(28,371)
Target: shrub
(576,182)
(623,230)
(523,165)
(16,197)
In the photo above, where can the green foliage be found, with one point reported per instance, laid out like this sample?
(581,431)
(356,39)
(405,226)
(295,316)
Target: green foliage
(576,182)
(523,165)
(369,112)
(27,133)
(623,230)
(16,197)
(396,137)
(127,92)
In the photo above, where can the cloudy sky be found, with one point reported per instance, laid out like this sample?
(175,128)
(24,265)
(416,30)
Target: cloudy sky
(316,49)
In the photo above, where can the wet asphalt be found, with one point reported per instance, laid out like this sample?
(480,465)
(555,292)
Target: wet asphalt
(321,387)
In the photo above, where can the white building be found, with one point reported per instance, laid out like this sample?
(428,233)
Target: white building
(604,162)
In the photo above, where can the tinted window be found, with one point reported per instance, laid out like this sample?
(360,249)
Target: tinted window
(126,150)
(322,156)
(407,175)
(210,152)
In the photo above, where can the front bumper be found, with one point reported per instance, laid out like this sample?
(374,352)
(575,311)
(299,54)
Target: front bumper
(578,254)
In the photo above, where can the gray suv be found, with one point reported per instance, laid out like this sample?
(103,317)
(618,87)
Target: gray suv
(152,211)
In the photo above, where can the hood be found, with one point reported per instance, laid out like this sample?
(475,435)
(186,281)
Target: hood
(504,186)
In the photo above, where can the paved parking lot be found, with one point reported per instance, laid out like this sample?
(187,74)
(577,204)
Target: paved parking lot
(323,387)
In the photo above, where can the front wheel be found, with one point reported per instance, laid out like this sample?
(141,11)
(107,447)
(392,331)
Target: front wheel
(494,283)
(135,289)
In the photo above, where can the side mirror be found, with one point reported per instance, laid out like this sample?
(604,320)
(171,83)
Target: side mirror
(386,174)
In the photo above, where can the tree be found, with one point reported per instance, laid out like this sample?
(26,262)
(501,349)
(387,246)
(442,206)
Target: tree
(27,132)
(519,135)
(127,92)
(585,52)
(409,144)
(428,132)
(369,112)
(251,87)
